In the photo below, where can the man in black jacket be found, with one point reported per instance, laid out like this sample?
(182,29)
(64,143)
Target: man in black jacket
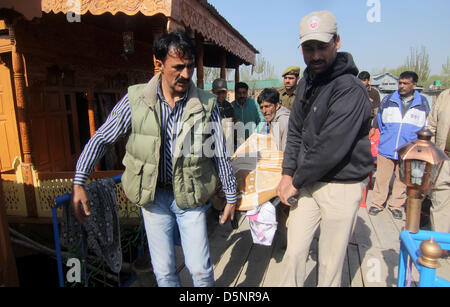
(327,158)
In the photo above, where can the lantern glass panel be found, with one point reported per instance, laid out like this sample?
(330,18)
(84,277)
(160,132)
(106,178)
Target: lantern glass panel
(435,172)
(402,169)
(417,171)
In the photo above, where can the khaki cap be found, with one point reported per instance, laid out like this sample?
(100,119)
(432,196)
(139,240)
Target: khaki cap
(293,70)
(319,25)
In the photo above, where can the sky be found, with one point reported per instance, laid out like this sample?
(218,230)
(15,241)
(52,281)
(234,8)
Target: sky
(272,27)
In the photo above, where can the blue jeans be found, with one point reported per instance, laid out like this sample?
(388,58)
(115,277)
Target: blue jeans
(160,219)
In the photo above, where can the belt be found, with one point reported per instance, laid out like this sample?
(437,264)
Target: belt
(165,186)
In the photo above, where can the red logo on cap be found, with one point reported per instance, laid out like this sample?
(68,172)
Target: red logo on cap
(314,23)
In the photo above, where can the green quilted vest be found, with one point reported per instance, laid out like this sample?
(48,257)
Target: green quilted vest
(194,175)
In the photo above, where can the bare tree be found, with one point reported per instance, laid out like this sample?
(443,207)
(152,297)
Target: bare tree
(446,73)
(262,70)
(419,62)
(210,74)
(446,68)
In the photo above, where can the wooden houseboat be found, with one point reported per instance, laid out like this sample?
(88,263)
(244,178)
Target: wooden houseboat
(63,66)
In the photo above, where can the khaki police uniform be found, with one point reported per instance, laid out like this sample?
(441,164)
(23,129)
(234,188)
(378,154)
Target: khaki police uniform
(288,99)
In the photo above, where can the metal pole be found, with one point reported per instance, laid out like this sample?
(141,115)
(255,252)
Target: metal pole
(57,246)
(413,211)
(427,277)
(402,265)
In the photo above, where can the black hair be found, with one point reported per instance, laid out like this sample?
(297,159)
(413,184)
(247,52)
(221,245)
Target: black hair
(409,75)
(364,75)
(240,85)
(177,40)
(270,95)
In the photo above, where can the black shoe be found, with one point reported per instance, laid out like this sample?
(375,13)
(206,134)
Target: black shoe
(397,214)
(143,263)
(374,210)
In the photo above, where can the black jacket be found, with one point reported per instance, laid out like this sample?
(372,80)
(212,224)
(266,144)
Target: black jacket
(328,127)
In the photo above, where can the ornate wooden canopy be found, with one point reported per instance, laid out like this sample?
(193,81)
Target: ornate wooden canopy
(28,8)
(198,15)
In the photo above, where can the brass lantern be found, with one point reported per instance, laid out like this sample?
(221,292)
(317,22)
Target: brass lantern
(420,162)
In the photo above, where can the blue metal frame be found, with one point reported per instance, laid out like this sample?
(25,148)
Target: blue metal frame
(61,201)
(409,247)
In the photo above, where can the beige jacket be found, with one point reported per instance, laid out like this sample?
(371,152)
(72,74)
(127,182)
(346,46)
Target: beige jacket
(439,119)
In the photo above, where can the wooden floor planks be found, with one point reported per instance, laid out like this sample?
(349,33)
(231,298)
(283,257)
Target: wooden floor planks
(273,274)
(354,266)
(371,259)
(228,269)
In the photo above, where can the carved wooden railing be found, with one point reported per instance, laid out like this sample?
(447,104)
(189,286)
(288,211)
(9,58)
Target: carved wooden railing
(8,270)
(51,185)
(14,194)
(48,186)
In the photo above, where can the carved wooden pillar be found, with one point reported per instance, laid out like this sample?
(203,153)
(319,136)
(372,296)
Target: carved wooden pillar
(24,128)
(91,116)
(173,25)
(91,113)
(199,60)
(22,114)
(236,73)
(8,270)
(223,65)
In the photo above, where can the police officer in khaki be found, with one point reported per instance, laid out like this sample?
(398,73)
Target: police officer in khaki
(290,80)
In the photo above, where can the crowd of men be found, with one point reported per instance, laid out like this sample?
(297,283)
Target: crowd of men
(322,122)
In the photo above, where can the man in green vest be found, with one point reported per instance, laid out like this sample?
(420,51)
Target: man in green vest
(175,154)
(290,80)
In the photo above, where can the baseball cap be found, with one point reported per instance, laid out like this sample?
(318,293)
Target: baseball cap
(319,25)
(219,85)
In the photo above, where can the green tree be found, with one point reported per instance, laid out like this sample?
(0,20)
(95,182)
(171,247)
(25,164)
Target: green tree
(432,79)
(397,71)
(444,77)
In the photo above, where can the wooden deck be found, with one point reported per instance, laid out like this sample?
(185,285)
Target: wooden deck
(372,256)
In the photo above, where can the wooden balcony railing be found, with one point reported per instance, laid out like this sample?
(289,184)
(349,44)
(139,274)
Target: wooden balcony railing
(48,186)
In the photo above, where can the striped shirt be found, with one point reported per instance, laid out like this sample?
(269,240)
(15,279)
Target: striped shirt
(118,124)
